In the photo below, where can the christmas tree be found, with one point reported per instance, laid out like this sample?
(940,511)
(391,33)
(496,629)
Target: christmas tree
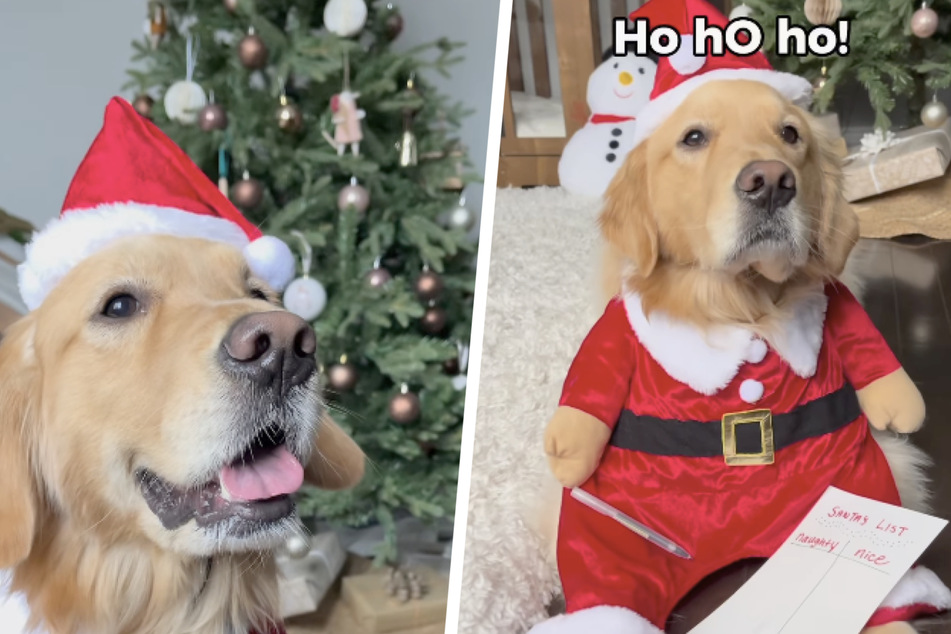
(900,54)
(329,139)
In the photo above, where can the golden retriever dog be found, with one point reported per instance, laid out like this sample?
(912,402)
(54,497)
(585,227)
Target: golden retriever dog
(728,218)
(157,411)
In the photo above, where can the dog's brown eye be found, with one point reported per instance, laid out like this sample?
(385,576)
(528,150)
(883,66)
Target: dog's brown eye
(257,293)
(790,134)
(121,306)
(694,138)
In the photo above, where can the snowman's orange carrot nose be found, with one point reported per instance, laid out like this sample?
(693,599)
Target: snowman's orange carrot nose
(626,78)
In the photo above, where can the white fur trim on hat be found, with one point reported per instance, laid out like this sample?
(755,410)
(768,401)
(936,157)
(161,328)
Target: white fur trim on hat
(919,586)
(603,619)
(793,87)
(74,236)
(684,61)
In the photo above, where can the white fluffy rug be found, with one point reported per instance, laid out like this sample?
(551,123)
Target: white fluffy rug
(544,295)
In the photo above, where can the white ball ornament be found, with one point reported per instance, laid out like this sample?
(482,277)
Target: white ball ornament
(306,298)
(345,17)
(934,114)
(183,101)
(741,10)
(271,260)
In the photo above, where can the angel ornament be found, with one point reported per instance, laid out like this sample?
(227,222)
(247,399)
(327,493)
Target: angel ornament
(346,119)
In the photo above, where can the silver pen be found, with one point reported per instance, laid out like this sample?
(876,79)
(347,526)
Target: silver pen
(630,523)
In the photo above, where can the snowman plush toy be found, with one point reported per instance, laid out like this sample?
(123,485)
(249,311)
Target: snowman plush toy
(617,90)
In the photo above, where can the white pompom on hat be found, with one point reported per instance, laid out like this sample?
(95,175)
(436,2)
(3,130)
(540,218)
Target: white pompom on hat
(135,181)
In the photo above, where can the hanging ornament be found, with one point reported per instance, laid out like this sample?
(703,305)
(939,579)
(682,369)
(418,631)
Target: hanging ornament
(741,10)
(459,378)
(297,546)
(143,105)
(428,286)
(924,21)
(248,192)
(345,17)
(223,169)
(404,407)
(934,114)
(289,117)
(378,276)
(455,182)
(305,296)
(252,51)
(185,98)
(820,81)
(409,155)
(823,11)
(460,216)
(353,195)
(212,116)
(342,376)
(231,5)
(346,115)
(434,320)
(158,23)
(393,24)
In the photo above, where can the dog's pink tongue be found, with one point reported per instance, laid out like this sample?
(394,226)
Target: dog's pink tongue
(277,473)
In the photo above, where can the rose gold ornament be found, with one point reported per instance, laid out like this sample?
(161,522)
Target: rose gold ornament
(212,117)
(289,117)
(342,376)
(252,51)
(405,407)
(924,22)
(143,105)
(248,192)
(428,286)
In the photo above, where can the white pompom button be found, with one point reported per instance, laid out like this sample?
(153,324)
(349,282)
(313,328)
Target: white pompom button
(756,352)
(751,390)
(272,261)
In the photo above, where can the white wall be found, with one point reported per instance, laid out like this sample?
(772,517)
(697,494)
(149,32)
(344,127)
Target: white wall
(61,61)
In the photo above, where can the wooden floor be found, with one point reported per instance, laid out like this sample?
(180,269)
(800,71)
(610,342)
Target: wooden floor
(908,296)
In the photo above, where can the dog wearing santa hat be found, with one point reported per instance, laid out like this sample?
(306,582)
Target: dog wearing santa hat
(732,379)
(158,407)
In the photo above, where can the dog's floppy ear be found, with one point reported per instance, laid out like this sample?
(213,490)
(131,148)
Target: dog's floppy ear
(18,383)
(838,224)
(627,221)
(337,461)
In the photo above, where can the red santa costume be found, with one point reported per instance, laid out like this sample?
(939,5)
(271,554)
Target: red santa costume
(664,388)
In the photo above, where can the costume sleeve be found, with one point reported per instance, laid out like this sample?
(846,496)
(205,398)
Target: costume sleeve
(864,352)
(600,376)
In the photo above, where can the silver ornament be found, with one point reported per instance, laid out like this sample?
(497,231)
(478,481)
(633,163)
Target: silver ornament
(934,114)
(741,11)
(306,298)
(297,546)
(460,217)
(354,195)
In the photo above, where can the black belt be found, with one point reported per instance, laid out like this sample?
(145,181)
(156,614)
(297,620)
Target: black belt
(743,438)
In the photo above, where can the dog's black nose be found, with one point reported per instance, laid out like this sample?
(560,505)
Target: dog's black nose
(273,349)
(768,185)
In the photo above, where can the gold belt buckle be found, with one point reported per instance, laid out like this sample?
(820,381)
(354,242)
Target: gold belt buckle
(761,417)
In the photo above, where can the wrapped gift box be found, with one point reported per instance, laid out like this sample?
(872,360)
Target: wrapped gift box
(304,582)
(378,613)
(913,156)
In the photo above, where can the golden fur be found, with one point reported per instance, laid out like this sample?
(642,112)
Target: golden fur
(671,214)
(83,403)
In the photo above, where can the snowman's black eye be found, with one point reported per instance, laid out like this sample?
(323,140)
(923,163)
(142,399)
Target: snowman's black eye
(640,70)
(615,64)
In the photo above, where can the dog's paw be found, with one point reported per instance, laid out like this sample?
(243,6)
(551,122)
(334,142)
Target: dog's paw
(574,442)
(894,403)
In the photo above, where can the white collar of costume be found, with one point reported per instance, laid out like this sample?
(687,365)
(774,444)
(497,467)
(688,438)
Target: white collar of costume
(707,360)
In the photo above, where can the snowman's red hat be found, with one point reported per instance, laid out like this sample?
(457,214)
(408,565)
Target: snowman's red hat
(135,181)
(681,73)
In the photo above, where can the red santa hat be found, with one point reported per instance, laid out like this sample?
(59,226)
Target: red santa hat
(683,72)
(135,181)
